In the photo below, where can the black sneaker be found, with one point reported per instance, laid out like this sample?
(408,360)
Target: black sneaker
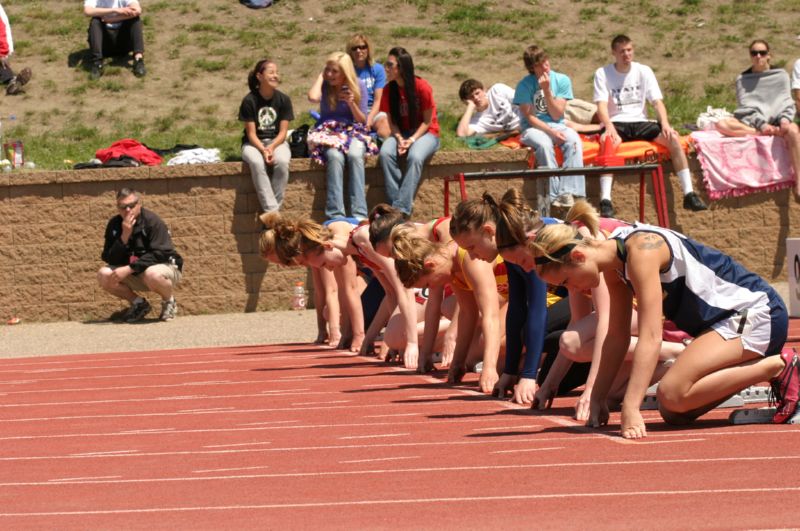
(692,201)
(137,311)
(138,68)
(97,71)
(606,208)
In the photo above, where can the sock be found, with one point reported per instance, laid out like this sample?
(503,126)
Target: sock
(686,180)
(605,186)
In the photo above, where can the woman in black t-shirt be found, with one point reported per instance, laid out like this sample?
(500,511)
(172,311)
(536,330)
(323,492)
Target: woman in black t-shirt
(266,113)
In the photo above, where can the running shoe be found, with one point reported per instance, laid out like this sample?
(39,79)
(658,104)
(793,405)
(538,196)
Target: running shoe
(786,387)
(137,311)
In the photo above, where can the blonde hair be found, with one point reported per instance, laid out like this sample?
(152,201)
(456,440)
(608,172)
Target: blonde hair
(583,212)
(345,64)
(290,238)
(410,252)
(552,245)
(515,219)
(357,39)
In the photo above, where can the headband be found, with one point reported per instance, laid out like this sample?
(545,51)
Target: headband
(559,253)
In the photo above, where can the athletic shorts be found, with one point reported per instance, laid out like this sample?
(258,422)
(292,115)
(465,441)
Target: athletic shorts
(168,271)
(628,131)
(762,329)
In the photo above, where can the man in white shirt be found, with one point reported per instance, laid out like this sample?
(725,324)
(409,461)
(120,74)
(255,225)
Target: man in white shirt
(116,29)
(491,111)
(622,90)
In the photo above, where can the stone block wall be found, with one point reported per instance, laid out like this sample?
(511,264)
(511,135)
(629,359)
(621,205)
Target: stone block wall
(52,223)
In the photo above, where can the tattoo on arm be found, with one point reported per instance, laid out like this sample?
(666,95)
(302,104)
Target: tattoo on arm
(649,241)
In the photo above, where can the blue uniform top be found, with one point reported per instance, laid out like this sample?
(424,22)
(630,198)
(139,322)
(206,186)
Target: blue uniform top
(526,318)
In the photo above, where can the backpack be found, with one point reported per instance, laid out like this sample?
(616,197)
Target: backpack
(297,142)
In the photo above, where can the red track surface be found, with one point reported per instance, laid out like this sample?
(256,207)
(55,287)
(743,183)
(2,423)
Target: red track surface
(301,437)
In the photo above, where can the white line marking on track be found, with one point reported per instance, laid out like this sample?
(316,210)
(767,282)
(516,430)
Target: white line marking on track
(84,478)
(127,387)
(349,437)
(228,469)
(427,397)
(527,450)
(147,431)
(267,422)
(303,376)
(113,453)
(503,428)
(279,391)
(409,501)
(206,410)
(380,459)
(392,415)
(419,470)
(320,403)
(670,442)
(376,385)
(236,444)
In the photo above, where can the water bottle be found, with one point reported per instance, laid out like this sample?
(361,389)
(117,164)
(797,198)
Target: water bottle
(298,297)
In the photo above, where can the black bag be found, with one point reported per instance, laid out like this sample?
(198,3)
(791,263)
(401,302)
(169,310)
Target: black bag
(298,143)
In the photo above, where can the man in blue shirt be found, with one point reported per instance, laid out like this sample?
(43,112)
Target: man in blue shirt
(542,97)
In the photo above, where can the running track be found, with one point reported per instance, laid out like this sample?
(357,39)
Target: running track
(294,436)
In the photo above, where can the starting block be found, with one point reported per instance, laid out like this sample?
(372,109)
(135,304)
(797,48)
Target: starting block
(762,415)
(751,395)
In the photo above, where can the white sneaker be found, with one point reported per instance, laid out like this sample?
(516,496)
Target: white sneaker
(168,310)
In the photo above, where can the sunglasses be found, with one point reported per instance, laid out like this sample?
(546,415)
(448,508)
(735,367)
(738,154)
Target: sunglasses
(390,64)
(360,47)
(756,53)
(128,206)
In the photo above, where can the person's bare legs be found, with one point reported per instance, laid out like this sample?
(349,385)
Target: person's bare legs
(733,127)
(118,289)
(708,371)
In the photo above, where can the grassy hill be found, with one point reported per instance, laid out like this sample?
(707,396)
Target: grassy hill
(198,53)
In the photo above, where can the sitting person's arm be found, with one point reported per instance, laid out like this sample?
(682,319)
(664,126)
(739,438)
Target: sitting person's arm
(605,119)
(464,127)
(796,85)
(529,112)
(111,15)
(315,92)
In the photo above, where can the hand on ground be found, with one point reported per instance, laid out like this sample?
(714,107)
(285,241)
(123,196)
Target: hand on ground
(583,406)
(504,385)
(411,356)
(598,414)
(456,373)
(489,378)
(525,391)
(633,426)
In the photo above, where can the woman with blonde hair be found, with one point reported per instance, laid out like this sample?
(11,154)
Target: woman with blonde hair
(374,77)
(739,322)
(341,134)
(285,241)
(481,289)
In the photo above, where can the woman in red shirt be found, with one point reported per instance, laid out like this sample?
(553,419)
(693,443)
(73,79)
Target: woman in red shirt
(408,102)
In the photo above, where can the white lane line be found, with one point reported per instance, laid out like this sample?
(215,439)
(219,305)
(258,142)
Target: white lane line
(279,391)
(527,450)
(304,376)
(236,444)
(670,442)
(147,431)
(112,453)
(392,415)
(503,428)
(410,501)
(380,459)
(206,410)
(321,403)
(427,397)
(269,422)
(376,385)
(420,470)
(228,469)
(57,480)
(281,449)
(237,411)
(128,387)
(349,437)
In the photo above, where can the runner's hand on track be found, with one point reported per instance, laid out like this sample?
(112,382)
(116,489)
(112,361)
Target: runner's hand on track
(583,405)
(504,385)
(488,379)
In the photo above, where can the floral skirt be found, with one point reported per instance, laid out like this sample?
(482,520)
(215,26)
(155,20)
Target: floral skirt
(338,135)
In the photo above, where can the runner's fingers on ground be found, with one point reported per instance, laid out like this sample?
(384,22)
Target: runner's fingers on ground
(583,406)
(632,424)
(598,415)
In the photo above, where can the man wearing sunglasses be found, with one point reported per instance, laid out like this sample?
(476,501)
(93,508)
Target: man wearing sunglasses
(140,256)
(622,90)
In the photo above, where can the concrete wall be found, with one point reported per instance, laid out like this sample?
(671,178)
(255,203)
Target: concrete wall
(52,223)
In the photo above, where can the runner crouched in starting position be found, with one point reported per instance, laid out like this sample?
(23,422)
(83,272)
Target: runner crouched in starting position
(740,323)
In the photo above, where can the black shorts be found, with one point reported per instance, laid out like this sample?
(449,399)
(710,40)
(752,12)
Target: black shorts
(628,131)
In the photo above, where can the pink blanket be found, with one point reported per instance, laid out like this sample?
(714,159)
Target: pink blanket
(734,166)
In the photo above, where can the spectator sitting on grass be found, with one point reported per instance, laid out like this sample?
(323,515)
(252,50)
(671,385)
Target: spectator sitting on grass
(764,106)
(491,111)
(115,29)
(7,76)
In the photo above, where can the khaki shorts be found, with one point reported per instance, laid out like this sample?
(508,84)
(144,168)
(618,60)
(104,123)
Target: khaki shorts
(168,271)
